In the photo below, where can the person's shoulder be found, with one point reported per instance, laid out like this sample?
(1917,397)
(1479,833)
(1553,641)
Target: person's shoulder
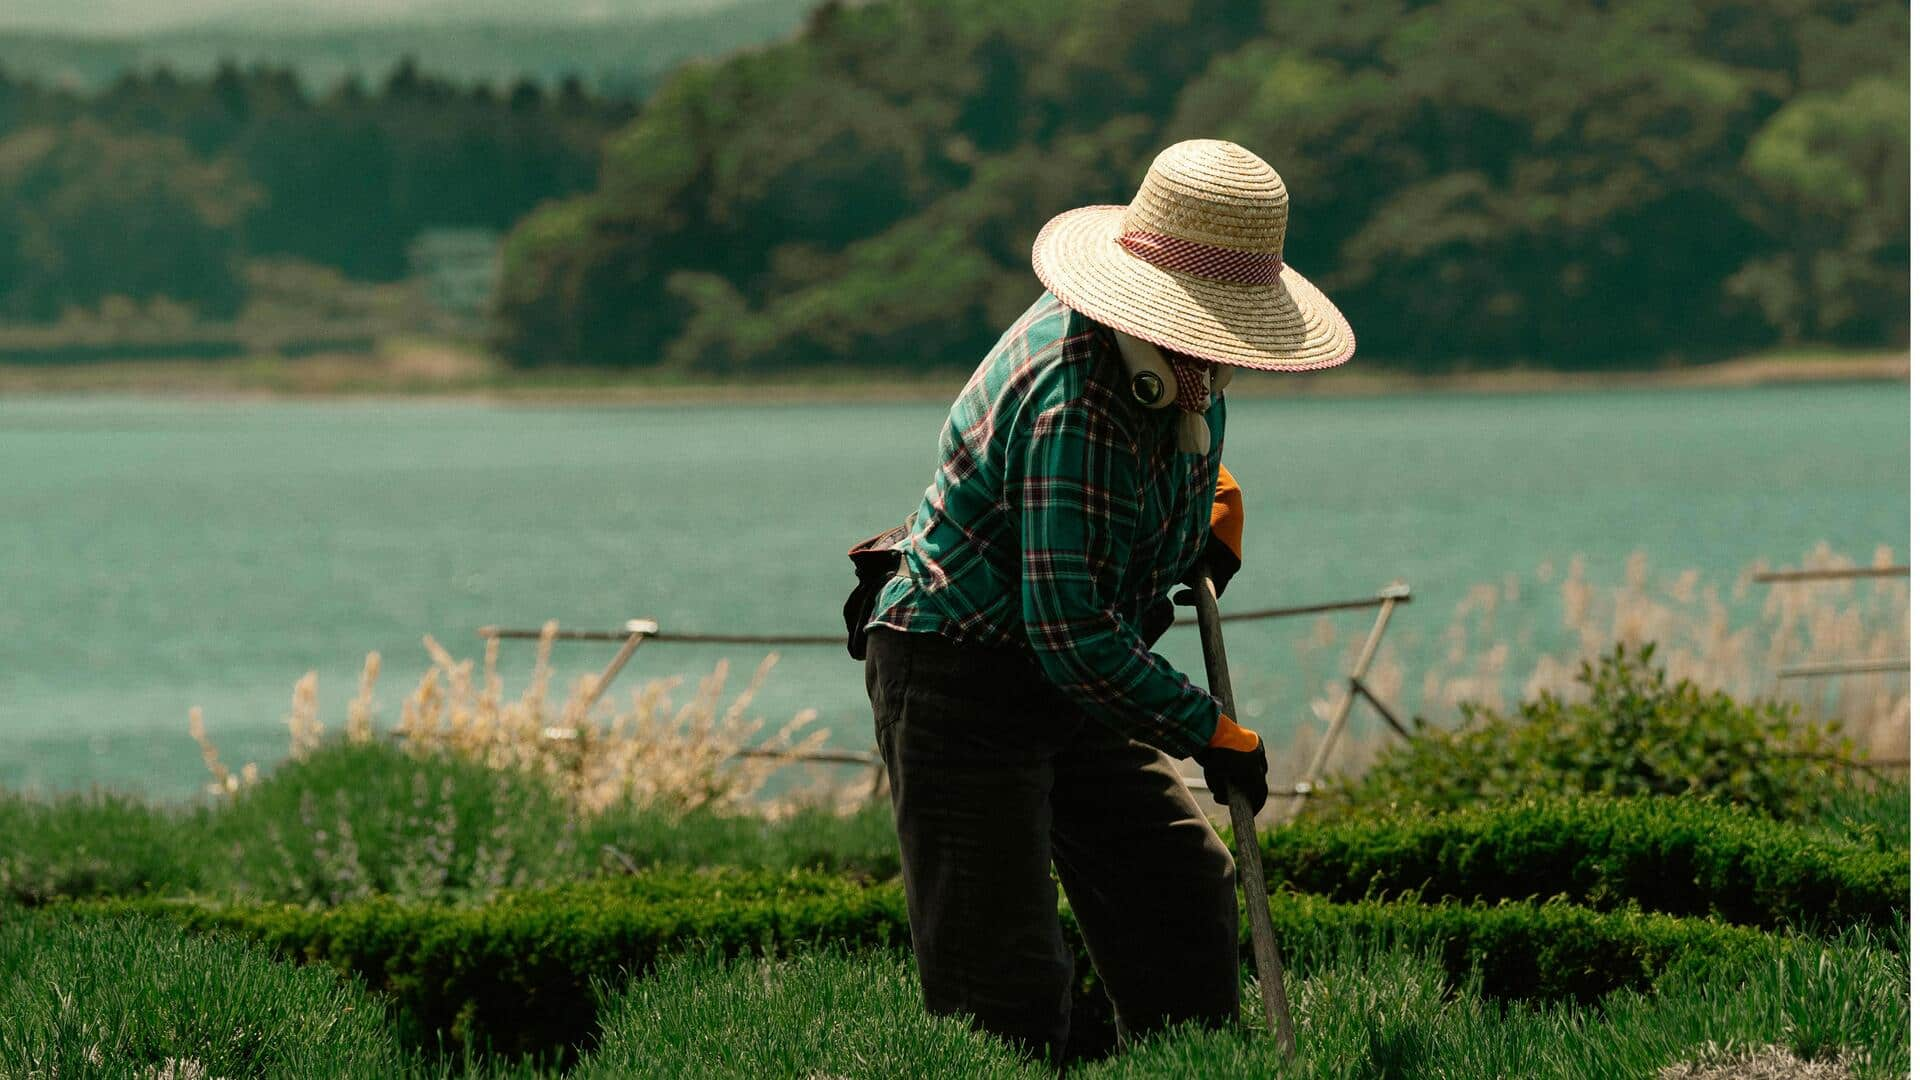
(1051,356)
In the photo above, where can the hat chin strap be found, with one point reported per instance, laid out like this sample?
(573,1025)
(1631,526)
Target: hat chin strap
(1191,433)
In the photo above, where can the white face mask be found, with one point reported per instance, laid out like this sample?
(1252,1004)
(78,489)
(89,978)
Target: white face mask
(1149,375)
(1150,379)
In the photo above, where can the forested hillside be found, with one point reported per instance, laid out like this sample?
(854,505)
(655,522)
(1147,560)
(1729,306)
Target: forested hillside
(163,185)
(626,54)
(1474,181)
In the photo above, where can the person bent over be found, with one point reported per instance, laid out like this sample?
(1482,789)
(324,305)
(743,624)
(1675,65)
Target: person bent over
(1024,722)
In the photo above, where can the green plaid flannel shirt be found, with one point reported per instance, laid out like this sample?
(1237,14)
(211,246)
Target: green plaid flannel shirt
(1059,510)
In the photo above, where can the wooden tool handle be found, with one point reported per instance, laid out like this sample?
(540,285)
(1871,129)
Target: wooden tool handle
(1246,839)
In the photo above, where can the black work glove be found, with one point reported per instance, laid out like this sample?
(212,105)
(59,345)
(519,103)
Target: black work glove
(1221,564)
(1228,770)
(1159,616)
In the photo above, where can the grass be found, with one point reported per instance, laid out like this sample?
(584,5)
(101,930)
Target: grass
(1366,1010)
(1393,1012)
(134,998)
(826,1013)
(1366,1004)
(1875,814)
(418,858)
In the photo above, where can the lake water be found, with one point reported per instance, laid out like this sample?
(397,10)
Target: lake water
(156,555)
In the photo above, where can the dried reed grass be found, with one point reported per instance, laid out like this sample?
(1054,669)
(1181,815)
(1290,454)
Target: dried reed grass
(705,754)
(651,753)
(1722,637)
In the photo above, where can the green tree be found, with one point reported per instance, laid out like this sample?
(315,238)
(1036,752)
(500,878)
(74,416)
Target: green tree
(1830,187)
(87,214)
(348,178)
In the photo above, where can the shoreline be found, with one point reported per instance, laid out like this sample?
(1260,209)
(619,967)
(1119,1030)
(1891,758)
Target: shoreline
(432,372)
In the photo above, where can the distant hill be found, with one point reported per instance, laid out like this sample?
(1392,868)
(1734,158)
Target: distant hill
(124,18)
(1473,181)
(625,53)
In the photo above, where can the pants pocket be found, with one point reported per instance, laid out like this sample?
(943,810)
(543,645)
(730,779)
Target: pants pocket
(889,664)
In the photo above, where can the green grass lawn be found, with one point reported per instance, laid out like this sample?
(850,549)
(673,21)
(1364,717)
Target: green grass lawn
(139,997)
(363,912)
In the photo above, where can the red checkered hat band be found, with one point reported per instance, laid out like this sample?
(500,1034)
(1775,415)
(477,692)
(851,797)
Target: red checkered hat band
(1203,260)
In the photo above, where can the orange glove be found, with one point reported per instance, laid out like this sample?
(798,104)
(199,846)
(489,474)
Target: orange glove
(1222,553)
(1228,735)
(1229,517)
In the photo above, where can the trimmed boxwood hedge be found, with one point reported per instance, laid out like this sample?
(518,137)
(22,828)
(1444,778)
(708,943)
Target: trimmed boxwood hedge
(1682,856)
(518,974)
(1530,951)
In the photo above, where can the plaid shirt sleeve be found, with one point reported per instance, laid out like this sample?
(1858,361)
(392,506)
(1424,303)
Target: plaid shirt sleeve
(1077,515)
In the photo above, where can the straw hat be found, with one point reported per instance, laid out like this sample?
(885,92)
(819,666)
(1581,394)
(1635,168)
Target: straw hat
(1194,265)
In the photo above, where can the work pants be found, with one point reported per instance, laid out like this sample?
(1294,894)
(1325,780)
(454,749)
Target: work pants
(996,776)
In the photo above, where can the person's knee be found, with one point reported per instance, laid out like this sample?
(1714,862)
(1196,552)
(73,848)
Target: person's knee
(1033,1018)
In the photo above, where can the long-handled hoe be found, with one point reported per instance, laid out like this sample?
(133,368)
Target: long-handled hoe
(1253,875)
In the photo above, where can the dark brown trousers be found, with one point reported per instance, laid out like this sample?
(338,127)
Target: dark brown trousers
(996,776)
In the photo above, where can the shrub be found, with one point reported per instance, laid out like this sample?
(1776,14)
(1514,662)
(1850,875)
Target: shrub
(347,820)
(1679,856)
(1526,951)
(1636,734)
(135,997)
(350,820)
(860,844)
(517,974)
(821,1013)
(1399,1010)
(97,844)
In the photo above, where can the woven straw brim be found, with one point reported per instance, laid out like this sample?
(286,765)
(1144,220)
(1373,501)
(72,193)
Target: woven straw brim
(1285,326)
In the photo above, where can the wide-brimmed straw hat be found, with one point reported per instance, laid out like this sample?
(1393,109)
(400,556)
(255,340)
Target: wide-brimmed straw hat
(1194,264)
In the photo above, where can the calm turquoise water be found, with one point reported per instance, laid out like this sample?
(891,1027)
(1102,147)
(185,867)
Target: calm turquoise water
(159,555)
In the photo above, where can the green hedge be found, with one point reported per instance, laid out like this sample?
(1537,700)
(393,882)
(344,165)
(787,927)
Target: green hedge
(1675,855)
(518,974)
(1527,951)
